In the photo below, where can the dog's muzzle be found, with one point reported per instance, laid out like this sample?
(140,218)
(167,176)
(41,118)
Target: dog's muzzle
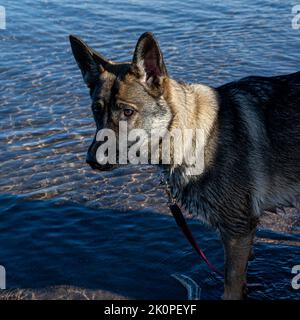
(96,166)
(92,161)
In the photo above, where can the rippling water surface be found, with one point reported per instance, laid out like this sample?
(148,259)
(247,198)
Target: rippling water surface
(62,223)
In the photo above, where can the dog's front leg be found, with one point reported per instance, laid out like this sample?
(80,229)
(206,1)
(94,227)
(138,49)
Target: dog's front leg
(237,253)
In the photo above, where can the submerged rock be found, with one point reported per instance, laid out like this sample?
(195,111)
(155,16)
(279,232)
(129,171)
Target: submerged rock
(59,293)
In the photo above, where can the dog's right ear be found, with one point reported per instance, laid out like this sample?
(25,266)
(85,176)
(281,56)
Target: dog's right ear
(91,63)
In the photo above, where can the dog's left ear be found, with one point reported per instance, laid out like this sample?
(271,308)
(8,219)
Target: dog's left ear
(148,62)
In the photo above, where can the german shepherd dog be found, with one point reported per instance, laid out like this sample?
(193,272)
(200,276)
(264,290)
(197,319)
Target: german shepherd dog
(252,140)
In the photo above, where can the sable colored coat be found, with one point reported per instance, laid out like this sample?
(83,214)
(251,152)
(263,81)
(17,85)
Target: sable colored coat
(251,129)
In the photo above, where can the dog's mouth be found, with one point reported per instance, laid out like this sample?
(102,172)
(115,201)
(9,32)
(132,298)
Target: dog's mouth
(101,167)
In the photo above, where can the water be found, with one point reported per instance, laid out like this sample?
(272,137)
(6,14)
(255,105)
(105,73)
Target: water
(62,223)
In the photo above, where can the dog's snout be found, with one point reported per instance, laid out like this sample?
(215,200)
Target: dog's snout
(92,161)
(95,165)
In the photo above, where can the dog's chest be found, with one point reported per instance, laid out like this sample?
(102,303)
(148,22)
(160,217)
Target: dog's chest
(185,191)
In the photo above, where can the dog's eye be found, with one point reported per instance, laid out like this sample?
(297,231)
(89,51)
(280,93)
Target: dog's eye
(126,109)
(128,112)
(98,106)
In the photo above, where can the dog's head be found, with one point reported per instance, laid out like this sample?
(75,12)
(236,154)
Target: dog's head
(135,92)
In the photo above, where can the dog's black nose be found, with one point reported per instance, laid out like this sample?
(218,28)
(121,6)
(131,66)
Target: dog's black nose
(96,166)
(92,161)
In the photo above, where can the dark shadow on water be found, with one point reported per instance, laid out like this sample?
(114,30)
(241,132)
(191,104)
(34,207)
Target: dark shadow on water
(132,254)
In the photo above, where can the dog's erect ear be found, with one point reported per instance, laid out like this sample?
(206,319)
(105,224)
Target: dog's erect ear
(148,60)
(89,61)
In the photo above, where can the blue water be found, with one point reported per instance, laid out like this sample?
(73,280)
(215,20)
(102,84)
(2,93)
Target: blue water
(62,223)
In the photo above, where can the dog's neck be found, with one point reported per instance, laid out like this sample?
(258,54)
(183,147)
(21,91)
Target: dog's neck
(193,107)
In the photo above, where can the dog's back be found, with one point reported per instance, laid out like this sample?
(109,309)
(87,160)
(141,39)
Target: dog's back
(269,109)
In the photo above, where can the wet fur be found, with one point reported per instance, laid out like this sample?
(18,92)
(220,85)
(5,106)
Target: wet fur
(256,166)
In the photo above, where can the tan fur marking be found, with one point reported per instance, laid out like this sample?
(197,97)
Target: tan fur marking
(193,107)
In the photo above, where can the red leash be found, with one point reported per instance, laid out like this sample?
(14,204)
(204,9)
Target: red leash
(180,220)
